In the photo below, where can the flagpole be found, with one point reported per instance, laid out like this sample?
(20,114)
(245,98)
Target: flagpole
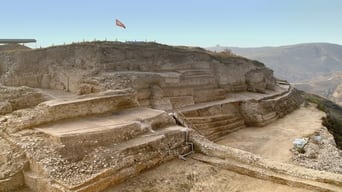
(120,24)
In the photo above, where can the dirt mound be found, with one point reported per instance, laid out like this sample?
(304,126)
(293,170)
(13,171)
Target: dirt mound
(13,47)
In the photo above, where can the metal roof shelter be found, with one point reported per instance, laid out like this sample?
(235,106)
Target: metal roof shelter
(9,41)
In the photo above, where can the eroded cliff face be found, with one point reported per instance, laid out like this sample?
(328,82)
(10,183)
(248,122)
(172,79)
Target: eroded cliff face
(116,109)
(164,77)
(15,98)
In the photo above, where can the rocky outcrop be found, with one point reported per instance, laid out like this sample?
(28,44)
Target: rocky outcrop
(59,109)
(102,140)
(88,159)
(145,67)
(259,80)
(263,111)
(14,98)
(219,118)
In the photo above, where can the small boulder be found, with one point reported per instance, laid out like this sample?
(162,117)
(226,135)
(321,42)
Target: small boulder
(317,139)
(299,144)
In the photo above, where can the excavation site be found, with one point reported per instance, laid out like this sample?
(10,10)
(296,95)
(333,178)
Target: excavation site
(143,116)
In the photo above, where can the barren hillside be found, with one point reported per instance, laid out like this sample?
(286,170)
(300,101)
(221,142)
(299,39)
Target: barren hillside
(87,117)
(296,63)
(312,67)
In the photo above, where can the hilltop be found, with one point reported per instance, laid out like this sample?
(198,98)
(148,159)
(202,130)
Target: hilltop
(89,116)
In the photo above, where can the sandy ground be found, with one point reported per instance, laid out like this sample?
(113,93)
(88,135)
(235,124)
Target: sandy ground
(195,176)
(274,141)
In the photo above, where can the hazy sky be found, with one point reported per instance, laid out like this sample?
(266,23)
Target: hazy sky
(178,22)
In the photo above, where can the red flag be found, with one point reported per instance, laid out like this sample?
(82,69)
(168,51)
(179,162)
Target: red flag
(120,24)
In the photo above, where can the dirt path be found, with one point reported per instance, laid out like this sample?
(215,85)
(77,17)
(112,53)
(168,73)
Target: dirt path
(274,141)
(195,176)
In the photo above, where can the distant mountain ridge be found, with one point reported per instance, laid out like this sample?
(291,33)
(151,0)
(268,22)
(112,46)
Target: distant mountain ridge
(295,62)
(312,67)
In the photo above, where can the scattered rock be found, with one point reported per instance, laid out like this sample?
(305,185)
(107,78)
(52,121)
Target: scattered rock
(299,144)
(317,139)
(320,153)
